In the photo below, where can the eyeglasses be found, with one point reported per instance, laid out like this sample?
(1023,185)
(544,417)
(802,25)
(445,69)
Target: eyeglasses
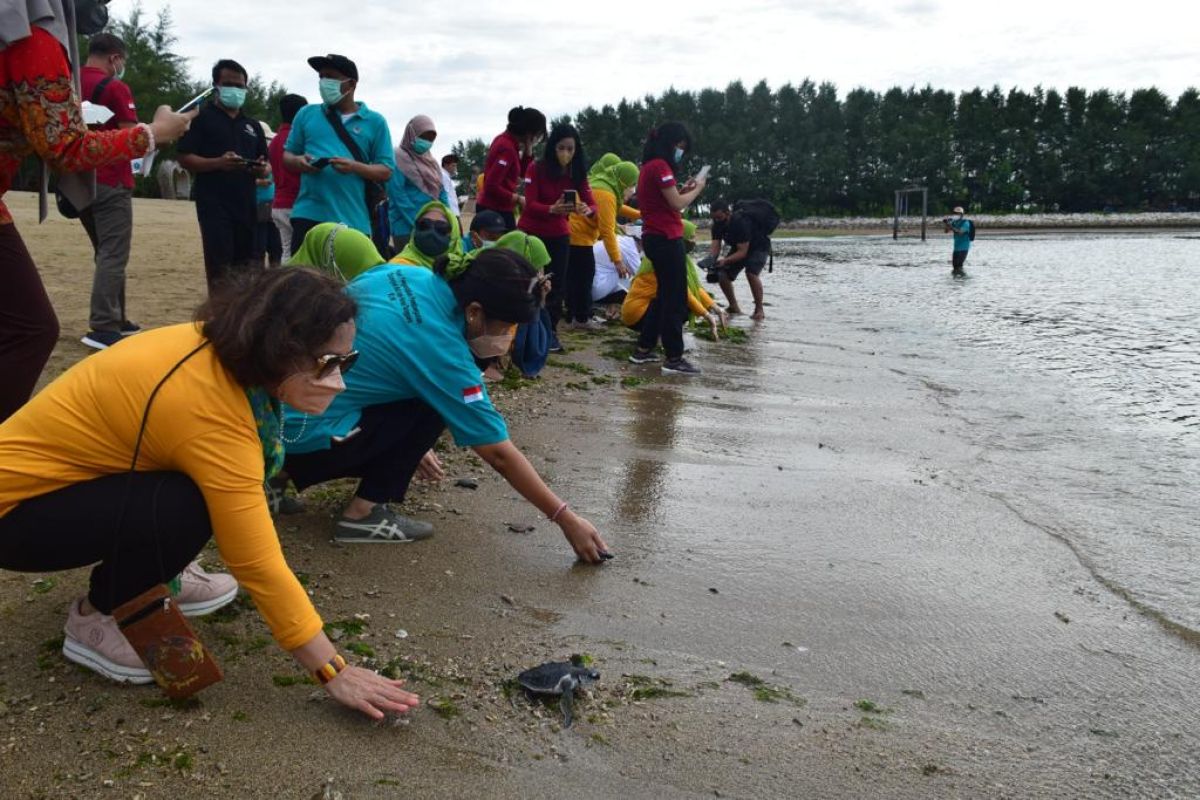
(434,225)
(331,362)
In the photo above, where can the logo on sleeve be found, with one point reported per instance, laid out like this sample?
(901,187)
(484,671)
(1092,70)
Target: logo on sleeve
(473,394)
(667,179)
(502,162)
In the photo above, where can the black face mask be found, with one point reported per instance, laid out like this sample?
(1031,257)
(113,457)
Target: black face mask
(90,16)
(430,242)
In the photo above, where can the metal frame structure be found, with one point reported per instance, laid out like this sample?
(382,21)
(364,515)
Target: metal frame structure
(901,208)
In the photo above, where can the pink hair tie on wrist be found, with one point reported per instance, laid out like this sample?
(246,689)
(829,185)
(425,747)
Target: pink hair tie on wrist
(554,517)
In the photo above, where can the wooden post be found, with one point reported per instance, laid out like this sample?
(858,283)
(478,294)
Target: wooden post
(896,218)
(924,210)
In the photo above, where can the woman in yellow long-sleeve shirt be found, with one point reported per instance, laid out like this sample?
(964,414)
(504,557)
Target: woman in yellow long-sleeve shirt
(197,406)
(610,178)
(643,290)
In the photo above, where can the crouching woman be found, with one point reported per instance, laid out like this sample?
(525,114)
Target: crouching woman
(135,457)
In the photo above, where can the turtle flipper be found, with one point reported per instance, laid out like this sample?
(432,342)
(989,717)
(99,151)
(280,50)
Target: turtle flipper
(567,706)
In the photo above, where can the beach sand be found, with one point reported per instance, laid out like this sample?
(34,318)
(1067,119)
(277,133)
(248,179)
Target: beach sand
(891,633)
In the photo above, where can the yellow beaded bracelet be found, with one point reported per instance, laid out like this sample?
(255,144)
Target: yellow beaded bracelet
(331,670)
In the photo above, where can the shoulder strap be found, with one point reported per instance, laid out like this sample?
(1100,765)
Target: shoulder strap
(335,121)
(99,90)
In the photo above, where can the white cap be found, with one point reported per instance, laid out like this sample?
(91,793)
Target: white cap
(959,210)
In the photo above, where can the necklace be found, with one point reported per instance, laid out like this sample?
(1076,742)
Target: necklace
(299,435)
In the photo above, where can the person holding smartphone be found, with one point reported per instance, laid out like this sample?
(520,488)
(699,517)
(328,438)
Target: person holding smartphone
(661,200)
(556,186)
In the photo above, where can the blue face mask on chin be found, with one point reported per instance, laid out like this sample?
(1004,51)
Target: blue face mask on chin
(678,154)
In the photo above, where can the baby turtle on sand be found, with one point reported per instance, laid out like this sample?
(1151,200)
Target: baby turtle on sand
(560,678)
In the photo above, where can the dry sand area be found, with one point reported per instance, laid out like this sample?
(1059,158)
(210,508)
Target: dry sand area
(890,660)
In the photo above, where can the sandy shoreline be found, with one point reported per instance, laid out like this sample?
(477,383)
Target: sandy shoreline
(914,638)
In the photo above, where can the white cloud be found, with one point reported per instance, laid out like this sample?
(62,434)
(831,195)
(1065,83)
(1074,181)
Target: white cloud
(466,64)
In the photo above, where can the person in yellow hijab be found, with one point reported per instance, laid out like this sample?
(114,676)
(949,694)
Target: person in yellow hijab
(644,288)
(611,179)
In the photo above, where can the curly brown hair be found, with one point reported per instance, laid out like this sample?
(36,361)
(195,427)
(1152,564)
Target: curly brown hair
(267,325)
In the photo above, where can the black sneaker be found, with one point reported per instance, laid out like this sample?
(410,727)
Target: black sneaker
(101,340)
(279,501)
(680,366)
(644,357)
(130,328)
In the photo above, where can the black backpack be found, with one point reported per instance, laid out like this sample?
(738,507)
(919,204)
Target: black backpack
(764,219)
(971,233)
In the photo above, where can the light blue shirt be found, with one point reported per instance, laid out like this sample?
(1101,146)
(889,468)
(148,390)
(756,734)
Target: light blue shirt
(329,195)
(962,234)
(411,346)
(405,199)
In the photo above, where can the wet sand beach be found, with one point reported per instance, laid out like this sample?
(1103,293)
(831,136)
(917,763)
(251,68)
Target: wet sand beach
(807,601)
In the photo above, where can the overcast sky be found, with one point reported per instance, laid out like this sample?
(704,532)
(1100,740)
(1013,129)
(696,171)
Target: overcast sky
(466,63)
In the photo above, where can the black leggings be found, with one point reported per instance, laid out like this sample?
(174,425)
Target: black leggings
(78,525)
(384,452)
(581,272)
(668,310)
(559,248)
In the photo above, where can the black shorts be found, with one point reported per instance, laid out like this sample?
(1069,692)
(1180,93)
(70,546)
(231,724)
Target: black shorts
(959,258)
(753,263)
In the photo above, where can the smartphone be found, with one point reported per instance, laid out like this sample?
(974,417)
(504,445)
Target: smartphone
(195,100)
(703,173)
(570,197)
(320,163)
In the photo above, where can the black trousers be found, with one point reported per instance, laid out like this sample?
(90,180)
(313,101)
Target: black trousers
(668,310)
(300,229)
(559,248)
(28,326)
(228,239)
(958,259)
(139,530)
(384,453)
(581,271)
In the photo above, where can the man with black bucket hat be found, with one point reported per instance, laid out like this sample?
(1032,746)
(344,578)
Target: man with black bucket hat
(343,152)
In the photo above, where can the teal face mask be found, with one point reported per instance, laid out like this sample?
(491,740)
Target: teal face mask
(678,154)
(231,97)
(421,146)
(331,91)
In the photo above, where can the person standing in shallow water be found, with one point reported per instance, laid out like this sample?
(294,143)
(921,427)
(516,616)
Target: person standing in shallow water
(964,231)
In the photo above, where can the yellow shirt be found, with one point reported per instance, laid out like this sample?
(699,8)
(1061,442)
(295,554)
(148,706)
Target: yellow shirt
(83,426)
(586,231)
(645,288)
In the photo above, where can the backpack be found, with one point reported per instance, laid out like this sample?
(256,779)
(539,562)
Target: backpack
(971,233)
(763,216)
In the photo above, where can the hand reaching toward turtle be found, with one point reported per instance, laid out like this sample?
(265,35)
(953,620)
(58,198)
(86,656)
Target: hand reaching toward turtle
(585,540)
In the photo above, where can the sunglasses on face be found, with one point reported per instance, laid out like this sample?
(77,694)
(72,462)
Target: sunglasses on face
(433,225)
(331,362)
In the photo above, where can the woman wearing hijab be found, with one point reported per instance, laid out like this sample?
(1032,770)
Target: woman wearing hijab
(531,345)
(611,179)
(416,180)
(436,233)
(40,115)
(337,249)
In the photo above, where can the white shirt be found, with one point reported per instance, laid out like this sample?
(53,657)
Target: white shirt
(451,191)
(606,281)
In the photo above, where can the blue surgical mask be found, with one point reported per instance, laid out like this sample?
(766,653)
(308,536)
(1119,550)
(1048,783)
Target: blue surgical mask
(421,146)
(331,91)
(231,97)
(678,154)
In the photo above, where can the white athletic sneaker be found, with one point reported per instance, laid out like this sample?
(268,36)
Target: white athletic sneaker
(203,592)
(96,642)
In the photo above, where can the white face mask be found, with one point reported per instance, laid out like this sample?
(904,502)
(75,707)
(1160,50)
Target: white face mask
(489,345)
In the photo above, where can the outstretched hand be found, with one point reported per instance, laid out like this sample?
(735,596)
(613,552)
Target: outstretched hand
(585,540)
(370,693)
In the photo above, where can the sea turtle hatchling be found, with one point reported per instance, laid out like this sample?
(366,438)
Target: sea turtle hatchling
(560,678)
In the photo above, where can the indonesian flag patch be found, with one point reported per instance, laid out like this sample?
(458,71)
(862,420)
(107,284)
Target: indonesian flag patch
(473,394)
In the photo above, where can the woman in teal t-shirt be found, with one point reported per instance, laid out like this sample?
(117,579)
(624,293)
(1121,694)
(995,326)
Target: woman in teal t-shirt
(419,332)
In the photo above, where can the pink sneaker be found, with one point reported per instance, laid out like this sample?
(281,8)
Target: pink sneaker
(97,643)
(203,592)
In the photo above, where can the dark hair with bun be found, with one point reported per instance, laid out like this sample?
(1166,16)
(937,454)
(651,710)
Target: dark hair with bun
(264,326)
(499,280)
(524,121)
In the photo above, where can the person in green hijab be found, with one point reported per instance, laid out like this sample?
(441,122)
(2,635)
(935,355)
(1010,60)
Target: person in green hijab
(339,250)
(610,179)
(644,288)
(435,234)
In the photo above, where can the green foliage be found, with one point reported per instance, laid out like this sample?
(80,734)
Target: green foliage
(812,152)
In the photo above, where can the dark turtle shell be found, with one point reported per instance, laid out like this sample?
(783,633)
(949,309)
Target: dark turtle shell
(548,678)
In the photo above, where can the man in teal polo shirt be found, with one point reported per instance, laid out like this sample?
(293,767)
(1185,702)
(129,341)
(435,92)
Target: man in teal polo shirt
(332,177)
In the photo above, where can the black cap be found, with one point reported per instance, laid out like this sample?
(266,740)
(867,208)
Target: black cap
(489,221)
(332,61)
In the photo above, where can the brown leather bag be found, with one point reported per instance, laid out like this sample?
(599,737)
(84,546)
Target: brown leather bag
(170,649)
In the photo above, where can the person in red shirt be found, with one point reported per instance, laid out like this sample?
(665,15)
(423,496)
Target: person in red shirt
(661,201)
(40,115)
(562,169)
(507,158)
(109,219)
(287,183)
